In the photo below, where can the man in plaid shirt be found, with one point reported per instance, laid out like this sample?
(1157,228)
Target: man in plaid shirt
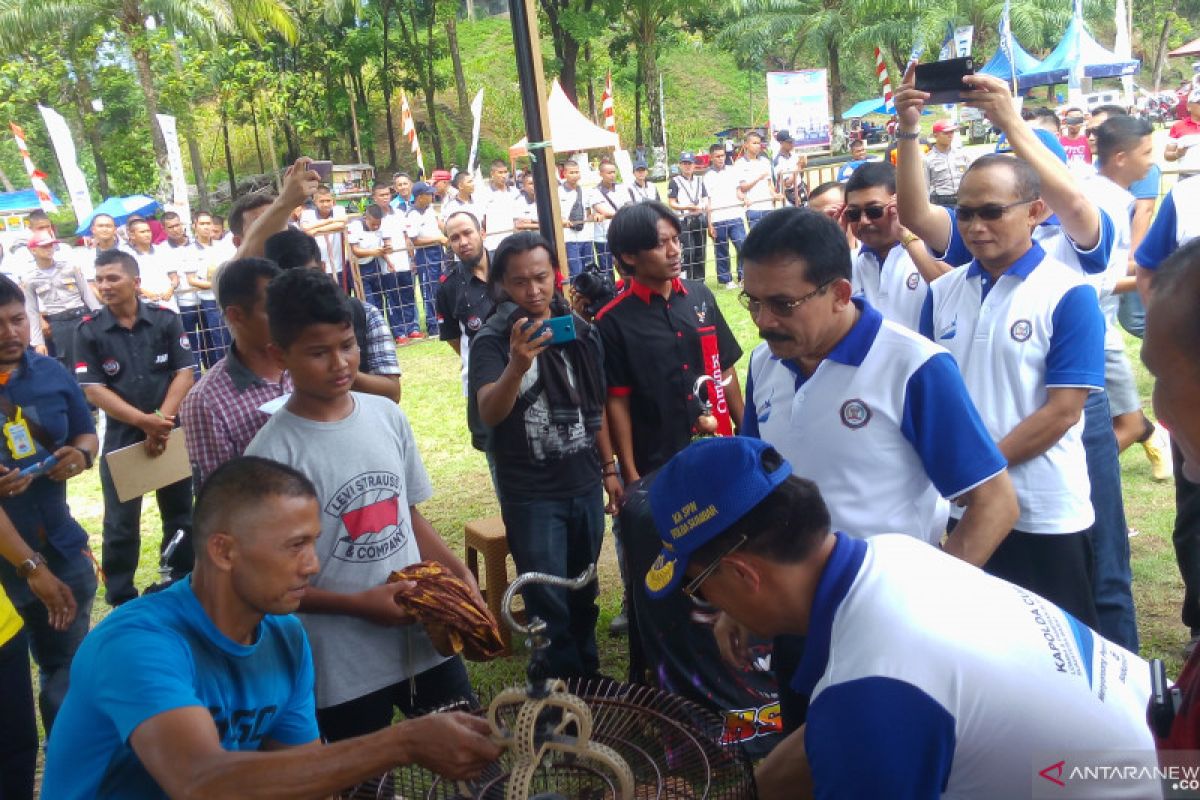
(224,410)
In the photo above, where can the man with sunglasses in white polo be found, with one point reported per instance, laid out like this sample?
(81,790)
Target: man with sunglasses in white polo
(875,414)
(1028,334)
(892,268)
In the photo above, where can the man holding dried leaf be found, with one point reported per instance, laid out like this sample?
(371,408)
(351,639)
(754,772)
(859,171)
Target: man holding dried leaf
(371,653)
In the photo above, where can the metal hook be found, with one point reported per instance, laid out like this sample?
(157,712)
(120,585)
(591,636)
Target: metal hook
(537,626)
(706,405)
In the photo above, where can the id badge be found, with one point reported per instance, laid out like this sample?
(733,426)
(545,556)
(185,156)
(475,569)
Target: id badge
(20,440)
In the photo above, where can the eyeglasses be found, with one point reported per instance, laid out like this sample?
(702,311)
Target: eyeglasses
(873,212)
(693,586)
(988,213)
(779,308)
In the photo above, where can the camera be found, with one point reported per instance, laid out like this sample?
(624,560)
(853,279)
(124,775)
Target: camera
(596,286)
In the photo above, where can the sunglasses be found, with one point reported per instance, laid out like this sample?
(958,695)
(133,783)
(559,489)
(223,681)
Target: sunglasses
(873,213)
(693,586)
(778,308)
(989,212)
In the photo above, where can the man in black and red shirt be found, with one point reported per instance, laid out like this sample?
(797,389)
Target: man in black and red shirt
(659,336)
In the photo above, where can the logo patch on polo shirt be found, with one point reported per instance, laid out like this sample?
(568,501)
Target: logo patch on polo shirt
(912,281)
(951,329)
(161,358)
(184,342)
(701,312)
(1021,330)
(474,323)
(110,366)
(855,413)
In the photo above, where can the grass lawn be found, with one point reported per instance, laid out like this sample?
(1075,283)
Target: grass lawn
(434,403)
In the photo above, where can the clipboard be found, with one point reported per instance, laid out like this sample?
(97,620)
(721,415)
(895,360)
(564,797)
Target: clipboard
(135,473)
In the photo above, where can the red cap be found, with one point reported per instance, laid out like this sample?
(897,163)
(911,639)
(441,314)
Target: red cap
(440,175)
(944,125)
(42,239)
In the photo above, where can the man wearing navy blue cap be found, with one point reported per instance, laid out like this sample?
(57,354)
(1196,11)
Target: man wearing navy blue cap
(687,197)
(426,232)
(947,682)
(641,190)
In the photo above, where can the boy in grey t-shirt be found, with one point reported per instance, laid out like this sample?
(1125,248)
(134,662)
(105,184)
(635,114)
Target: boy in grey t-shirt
(359,451)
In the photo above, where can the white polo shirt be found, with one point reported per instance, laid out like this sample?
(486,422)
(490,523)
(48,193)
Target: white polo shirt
(500,211)
(1170,229)
(394,228)
(456,203)
(333,250)
(760,194)
(894,286)
(422,225)
(1035,328)
(154,268)
(1117,203)
(609,200)
(207,261)
(567,199)
(884,426)
(722,188)
(930,678)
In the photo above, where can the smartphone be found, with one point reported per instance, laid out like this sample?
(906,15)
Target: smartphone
(39,469)
(562,329)
(322,168)
(943,79)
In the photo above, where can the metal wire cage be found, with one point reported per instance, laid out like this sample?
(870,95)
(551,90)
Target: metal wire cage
(670,744)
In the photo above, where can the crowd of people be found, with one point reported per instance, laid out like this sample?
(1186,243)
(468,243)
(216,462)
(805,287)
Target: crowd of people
(914,494)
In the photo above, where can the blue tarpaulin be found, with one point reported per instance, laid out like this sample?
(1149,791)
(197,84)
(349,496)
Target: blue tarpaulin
(1025,63)
(862,109)
(24,200)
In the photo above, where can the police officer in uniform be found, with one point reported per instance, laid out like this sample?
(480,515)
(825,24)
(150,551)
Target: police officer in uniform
(135,363)
(56,290)
(687,196)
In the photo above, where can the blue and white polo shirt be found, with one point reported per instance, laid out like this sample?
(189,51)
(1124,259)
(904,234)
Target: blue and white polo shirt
(932,679)
(1036,328)
(884,427)
(892,284)
(1170,230)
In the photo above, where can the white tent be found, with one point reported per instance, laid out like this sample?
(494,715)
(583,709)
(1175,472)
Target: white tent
(569,129)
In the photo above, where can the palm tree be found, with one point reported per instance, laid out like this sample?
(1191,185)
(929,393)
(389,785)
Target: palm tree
(21,20)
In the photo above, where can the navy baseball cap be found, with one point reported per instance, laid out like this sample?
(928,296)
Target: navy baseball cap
(705,488)
(421,188)
(687,157)
(640,164)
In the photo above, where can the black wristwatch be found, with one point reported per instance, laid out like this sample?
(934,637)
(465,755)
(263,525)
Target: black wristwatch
(87,457)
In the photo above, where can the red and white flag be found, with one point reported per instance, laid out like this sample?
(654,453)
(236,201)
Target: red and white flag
(881,70)
(606,106)
(409,129)
(36,177)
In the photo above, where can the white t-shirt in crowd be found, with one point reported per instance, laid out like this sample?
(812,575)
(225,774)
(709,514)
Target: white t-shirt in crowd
(333,251)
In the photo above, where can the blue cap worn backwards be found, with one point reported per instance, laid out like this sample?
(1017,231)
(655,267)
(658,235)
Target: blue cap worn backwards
(702,491)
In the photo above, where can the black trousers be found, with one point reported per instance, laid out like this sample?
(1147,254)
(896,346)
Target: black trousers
(431,690)
(693,238)
(1186,537)
(62,333)
(1056,566)
(123,534)
(18,731)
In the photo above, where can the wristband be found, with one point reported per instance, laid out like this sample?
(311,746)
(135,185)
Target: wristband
(908,136)
(87,457)
(909,238)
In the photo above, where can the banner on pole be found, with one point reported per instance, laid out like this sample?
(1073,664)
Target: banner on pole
(607,110)
(477,116)
(798,102)
(964,36)
(409,130)
(37,178)
(889,104)
(179,189)
(64,149)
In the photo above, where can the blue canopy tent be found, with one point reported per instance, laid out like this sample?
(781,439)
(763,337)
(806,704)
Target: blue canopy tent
(1026,65)
(1078,47)
(120,209)
(865,107)
(22,201)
